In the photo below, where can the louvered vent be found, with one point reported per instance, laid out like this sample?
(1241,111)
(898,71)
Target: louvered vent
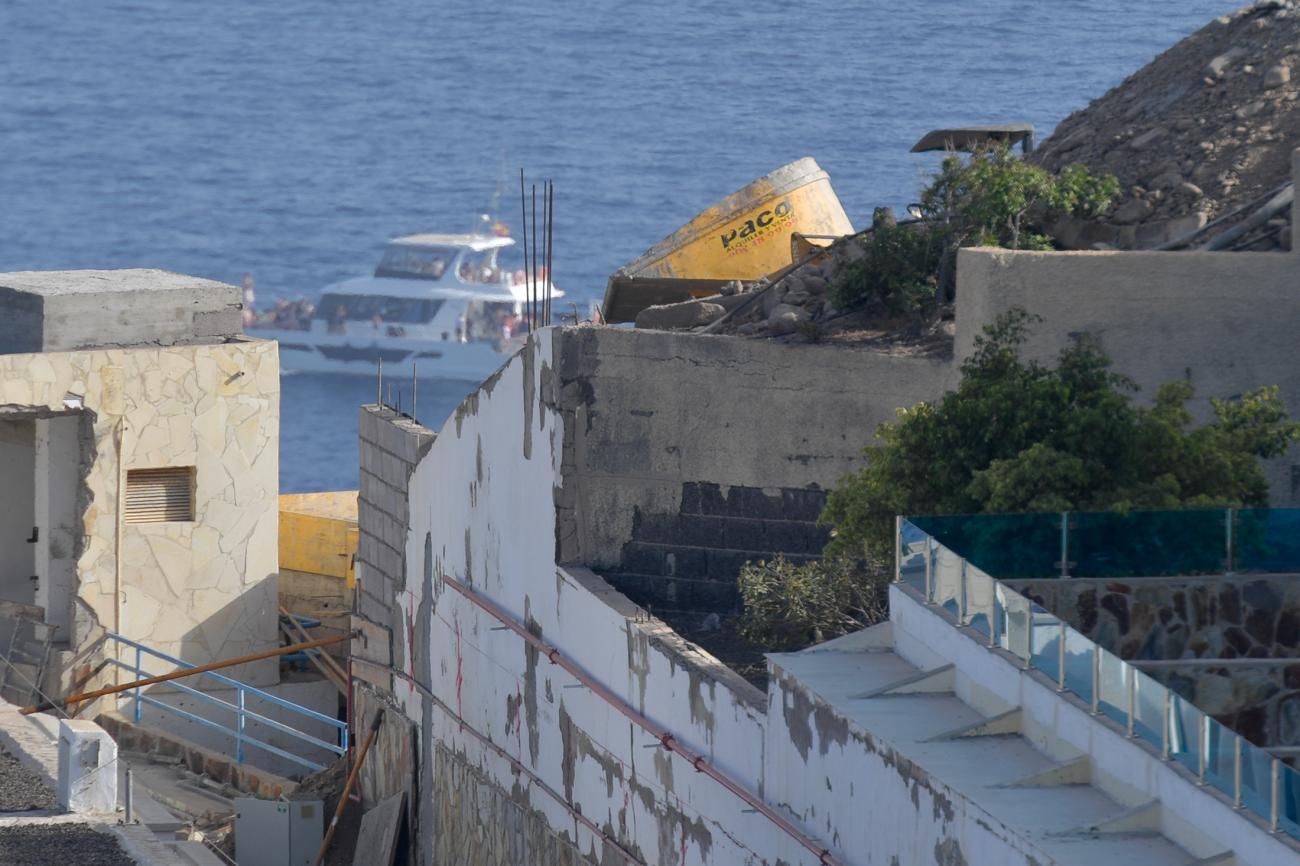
(160,495)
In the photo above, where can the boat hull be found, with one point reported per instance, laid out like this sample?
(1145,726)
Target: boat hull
(307,352)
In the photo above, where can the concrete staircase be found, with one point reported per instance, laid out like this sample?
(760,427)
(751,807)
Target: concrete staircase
(1033,783)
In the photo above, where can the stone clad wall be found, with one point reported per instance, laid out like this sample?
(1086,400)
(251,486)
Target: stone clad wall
(203,590)
(1199,618)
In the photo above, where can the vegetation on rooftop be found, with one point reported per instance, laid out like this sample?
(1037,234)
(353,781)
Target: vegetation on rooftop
(1017,436)
(994,198)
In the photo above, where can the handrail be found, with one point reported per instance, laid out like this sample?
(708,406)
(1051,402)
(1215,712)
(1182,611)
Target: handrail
(243,715)
(1004,611)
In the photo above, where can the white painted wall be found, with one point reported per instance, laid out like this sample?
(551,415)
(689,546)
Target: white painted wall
(484,495)
(17,508)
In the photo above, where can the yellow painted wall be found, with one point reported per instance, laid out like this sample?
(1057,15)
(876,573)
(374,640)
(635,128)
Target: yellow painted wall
(318,534)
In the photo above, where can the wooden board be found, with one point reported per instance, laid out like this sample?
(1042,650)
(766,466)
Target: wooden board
(381,828)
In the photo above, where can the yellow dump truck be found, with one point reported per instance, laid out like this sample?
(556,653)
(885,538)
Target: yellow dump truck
(744,236)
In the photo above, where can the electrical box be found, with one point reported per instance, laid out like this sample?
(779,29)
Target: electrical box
(278,832)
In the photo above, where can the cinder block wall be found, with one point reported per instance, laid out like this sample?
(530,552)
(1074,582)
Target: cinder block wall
(391,445)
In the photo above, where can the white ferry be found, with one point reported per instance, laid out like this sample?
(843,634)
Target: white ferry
(439,301)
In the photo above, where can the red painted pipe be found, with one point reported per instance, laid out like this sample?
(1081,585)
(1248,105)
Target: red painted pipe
(663,735)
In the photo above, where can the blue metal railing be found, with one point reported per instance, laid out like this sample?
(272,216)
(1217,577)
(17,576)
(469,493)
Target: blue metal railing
(240,709)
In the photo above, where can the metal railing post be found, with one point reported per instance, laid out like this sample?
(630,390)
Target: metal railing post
(961,594)
(1164,725)
(1060,660)
(239,732)
(929,570)
(1229,554)
(1274,779)
(1029,634)
(1096,680)
(993,617)
(898,548)
(1202,747)
(1065,544)
(1236,771)
(128,797)
(136,710)
(1130,681)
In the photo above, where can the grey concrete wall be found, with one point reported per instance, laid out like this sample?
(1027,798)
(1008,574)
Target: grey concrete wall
(1226,322)
(685,456)
(390,447)
(17,509)
(61,311)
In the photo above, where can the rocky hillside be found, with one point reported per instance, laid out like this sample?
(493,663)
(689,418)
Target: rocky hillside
(1205,129)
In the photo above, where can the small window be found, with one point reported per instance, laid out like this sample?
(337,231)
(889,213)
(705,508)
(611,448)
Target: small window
(160,495)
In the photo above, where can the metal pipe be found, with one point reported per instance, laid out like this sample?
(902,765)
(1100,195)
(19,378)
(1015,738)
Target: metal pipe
(929,570)
(523,214)
(347,788)
(961,593)
(1229,553)
(550,256)
(187,672)
(1029,634)
(414,382)
(536,289)
(1164,725)
(665,737)
(994,619)
(1236,771)
(898,548)
(128,799)
(1065,544)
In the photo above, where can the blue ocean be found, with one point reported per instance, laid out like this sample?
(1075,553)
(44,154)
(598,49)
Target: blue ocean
(289,140)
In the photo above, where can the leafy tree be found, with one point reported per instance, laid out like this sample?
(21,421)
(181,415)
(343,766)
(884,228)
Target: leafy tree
(991,199)
(1020,436)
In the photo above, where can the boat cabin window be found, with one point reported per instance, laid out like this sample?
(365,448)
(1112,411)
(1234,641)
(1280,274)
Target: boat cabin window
(338,309)
(479,267)
(419,263)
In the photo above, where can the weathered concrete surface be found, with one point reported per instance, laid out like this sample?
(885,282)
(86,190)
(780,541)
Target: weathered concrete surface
(1224,322)
(711,450)
(198,590)
(62,311)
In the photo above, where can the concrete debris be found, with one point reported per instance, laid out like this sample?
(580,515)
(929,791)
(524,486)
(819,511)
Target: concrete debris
(59,845)
(22,790)
(1204,129)
(786,319)
(687,314)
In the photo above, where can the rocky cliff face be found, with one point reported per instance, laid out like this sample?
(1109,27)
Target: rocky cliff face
(1205,129)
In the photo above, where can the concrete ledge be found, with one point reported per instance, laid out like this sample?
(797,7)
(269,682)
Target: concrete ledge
(131,737)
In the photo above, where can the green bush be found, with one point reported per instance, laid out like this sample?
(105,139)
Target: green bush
(991,199)
(1016,436)
(790,606)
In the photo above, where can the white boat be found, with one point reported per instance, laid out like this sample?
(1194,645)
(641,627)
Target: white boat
(441,302)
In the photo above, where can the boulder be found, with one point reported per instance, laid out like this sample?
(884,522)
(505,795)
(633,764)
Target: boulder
(1132,211)
(687,314)
(785,319)
(1276,76)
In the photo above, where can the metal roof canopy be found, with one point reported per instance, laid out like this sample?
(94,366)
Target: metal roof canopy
(968,138)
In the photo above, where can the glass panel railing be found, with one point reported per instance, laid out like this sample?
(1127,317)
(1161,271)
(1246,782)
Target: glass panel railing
(1047,644)
(1147,543)
(981,601)
(1256,780)
(946,580)
(1266,539)
(1148,708)
(1112,686)
(1121,544)
(1288,805)
(1219,748)
(1006,546)
(1016,611)
(1078,664)
(913,548)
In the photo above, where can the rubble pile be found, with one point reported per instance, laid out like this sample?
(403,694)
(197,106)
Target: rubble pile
(797,307)
(1204,131)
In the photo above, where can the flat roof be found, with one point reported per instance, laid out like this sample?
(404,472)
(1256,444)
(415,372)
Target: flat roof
(92,282)
(478,243)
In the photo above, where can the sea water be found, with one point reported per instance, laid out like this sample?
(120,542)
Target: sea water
(290,139)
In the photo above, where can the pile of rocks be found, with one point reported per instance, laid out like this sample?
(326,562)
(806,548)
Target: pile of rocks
(797,307)
(1205,129)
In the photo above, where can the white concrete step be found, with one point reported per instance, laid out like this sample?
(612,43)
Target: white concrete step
(984,757)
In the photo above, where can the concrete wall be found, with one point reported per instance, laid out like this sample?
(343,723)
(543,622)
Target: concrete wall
(686,456)
(200,590)
(17,506)
(57,513)
(61,311)
(1223,321)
